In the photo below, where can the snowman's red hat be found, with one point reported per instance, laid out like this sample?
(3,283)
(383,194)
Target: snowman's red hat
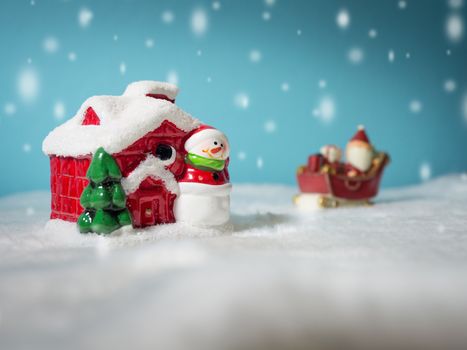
(360,138)
(201,134)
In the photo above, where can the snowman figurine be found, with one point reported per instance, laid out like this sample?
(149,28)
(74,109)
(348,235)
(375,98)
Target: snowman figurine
(204,198)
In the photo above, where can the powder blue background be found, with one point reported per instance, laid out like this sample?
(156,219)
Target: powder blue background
(376,92)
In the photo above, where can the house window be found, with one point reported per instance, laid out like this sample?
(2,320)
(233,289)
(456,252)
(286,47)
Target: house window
(165,152)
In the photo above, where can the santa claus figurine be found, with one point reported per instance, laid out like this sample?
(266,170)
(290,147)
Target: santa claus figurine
(204,198)
(359,153)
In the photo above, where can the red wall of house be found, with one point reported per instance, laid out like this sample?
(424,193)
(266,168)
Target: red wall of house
(67,181)
(168,133)
(68,174)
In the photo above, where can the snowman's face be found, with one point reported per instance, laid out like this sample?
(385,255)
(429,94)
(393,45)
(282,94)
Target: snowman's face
(360,156)
(214,148)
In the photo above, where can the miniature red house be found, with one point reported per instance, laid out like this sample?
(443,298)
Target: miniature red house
(144,131)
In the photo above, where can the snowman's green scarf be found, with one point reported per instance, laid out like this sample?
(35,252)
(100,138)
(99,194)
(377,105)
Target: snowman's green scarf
(205,163)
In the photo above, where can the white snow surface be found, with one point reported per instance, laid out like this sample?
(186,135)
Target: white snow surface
(383,277)
(123,120)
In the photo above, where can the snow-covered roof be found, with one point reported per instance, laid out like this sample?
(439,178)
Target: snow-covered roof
(123,120)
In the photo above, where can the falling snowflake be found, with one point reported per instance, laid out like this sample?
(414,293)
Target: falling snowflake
(255,56)
(115,37)
(27,148)
(59,110)
(425,171)
(72,56)
(122,68)
(415,106)
(30,211)
(266,15)
(149,43)
(450,85)
(299,32)
(199,53)
(216,5)
(285,87)
(208,79)
(199,22)
(402,4)
(355,55)
(448,52)
(454,27)
(28,84)
(270,126)
(391,56)
(372,33)
(50,44)
(408,55)
(168,16)
(270,2)
(322,84)
(241,155)
(241,100)
(172,77)
(456,4)
(29,60)
(9,108)
(326,110)
(85,17)
(259,163)
(343,19)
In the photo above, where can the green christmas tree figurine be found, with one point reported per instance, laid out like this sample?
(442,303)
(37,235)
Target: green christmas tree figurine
(103,199)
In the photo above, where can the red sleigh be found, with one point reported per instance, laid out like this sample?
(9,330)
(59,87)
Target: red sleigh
(333,188)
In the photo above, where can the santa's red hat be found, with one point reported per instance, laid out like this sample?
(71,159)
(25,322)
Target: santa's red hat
(360,138)
(200,134)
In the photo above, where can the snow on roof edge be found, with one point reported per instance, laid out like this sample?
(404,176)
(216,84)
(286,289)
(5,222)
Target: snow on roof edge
(150,167)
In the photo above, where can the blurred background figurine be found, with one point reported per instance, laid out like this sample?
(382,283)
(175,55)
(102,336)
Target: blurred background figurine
(327,182)
(331,158)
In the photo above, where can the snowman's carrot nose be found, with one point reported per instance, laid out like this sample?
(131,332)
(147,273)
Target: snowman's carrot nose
(216,150)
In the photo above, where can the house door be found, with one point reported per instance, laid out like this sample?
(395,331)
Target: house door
(151,204)
(147,212)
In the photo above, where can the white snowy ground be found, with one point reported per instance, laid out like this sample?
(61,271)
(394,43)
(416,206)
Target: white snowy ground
(390,276)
